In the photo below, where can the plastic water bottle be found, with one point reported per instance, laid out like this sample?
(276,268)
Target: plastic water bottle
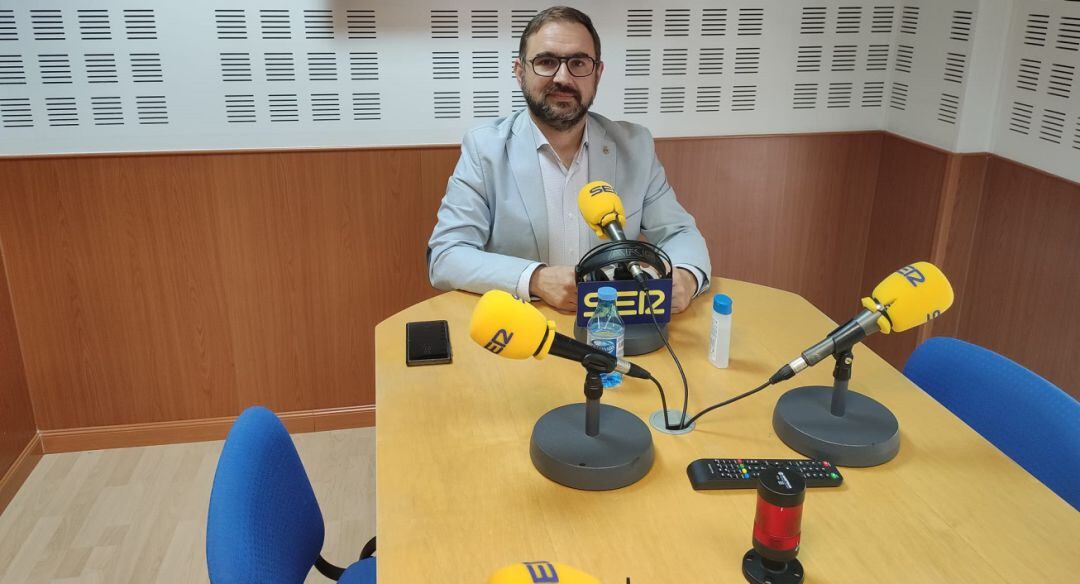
(607,332)
(720,334)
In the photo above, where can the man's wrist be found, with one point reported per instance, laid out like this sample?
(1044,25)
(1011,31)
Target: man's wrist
(700,283)
(526,289)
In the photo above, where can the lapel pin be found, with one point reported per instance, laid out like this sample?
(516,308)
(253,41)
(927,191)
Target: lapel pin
(606,150)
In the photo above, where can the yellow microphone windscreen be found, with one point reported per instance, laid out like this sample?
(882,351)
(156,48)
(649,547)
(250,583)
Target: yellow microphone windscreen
(510,327)
(533,572)
(912,295)
(600,205)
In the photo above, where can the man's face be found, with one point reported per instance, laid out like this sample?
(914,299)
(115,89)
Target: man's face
(560,101)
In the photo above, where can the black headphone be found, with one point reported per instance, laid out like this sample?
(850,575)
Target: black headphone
(616,254)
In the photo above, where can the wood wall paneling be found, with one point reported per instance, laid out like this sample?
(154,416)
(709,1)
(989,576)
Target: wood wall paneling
(117,283)
(17,427)
(436,167)
(954,238)
(790,212)
(903,224)
(190,286)
(1025,273)
(317,248)
(178,288)
(18,470)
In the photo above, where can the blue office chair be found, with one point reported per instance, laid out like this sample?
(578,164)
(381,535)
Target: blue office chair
(264,523)
(1026,417)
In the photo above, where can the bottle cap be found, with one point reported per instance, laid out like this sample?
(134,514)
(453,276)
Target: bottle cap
(607,294)
(720,303)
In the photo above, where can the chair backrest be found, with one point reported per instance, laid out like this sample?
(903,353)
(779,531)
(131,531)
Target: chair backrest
(1026,417)
(264,523)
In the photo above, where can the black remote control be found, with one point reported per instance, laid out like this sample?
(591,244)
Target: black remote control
(742,473)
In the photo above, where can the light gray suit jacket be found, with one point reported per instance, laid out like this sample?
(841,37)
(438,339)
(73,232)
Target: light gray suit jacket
(493,222)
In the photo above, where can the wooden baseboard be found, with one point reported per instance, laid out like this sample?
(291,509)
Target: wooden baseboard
(123,436)
(15,476)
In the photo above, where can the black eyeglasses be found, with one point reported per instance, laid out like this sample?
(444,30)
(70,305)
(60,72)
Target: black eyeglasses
(548,66)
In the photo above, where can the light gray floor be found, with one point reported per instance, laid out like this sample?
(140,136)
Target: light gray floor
(139,514)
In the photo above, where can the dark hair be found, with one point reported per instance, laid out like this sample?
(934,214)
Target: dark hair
(558,14)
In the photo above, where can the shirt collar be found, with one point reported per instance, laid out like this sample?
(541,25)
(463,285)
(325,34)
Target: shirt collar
(541,139)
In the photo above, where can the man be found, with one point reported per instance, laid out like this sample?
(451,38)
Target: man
(510,220)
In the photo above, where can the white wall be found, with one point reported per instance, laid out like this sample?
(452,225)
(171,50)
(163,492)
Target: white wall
(1038,114)
(932,69)
(1018,92)
(111,76)
(696,68)
(983,85)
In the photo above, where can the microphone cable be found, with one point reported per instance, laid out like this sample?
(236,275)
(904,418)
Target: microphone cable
(678,364)
(594,260)
(726,402)
(684,423)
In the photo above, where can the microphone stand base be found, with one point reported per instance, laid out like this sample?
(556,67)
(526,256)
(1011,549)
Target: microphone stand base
(756,570)
(866,435)
(620,455)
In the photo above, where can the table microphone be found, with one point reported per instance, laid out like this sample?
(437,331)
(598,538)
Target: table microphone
(908,297)
(510,327)
(614,448)
(603,211)
(843,426)
(541,572)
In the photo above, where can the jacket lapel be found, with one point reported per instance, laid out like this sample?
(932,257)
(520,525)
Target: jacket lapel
(603,157)
(603,160)
(525,165)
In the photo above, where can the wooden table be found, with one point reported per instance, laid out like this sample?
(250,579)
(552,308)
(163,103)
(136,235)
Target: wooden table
(457,496)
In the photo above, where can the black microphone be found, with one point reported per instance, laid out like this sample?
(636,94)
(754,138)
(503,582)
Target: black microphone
(614,231)
(511,327)
(568,348)
(907,298)
(843,338)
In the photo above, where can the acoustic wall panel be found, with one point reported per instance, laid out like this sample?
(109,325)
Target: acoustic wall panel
(928,86)
(1038,121)
(964,75)
(106,76)
(981,33)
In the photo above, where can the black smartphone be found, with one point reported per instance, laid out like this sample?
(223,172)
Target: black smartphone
(427,343)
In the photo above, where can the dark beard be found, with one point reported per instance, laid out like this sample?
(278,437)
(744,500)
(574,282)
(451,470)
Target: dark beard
(559,120)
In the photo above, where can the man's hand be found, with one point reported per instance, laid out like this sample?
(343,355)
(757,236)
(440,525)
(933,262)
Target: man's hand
(556,286)
(683,286)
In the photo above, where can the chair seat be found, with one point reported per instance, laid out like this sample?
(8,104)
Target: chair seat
(362,572)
